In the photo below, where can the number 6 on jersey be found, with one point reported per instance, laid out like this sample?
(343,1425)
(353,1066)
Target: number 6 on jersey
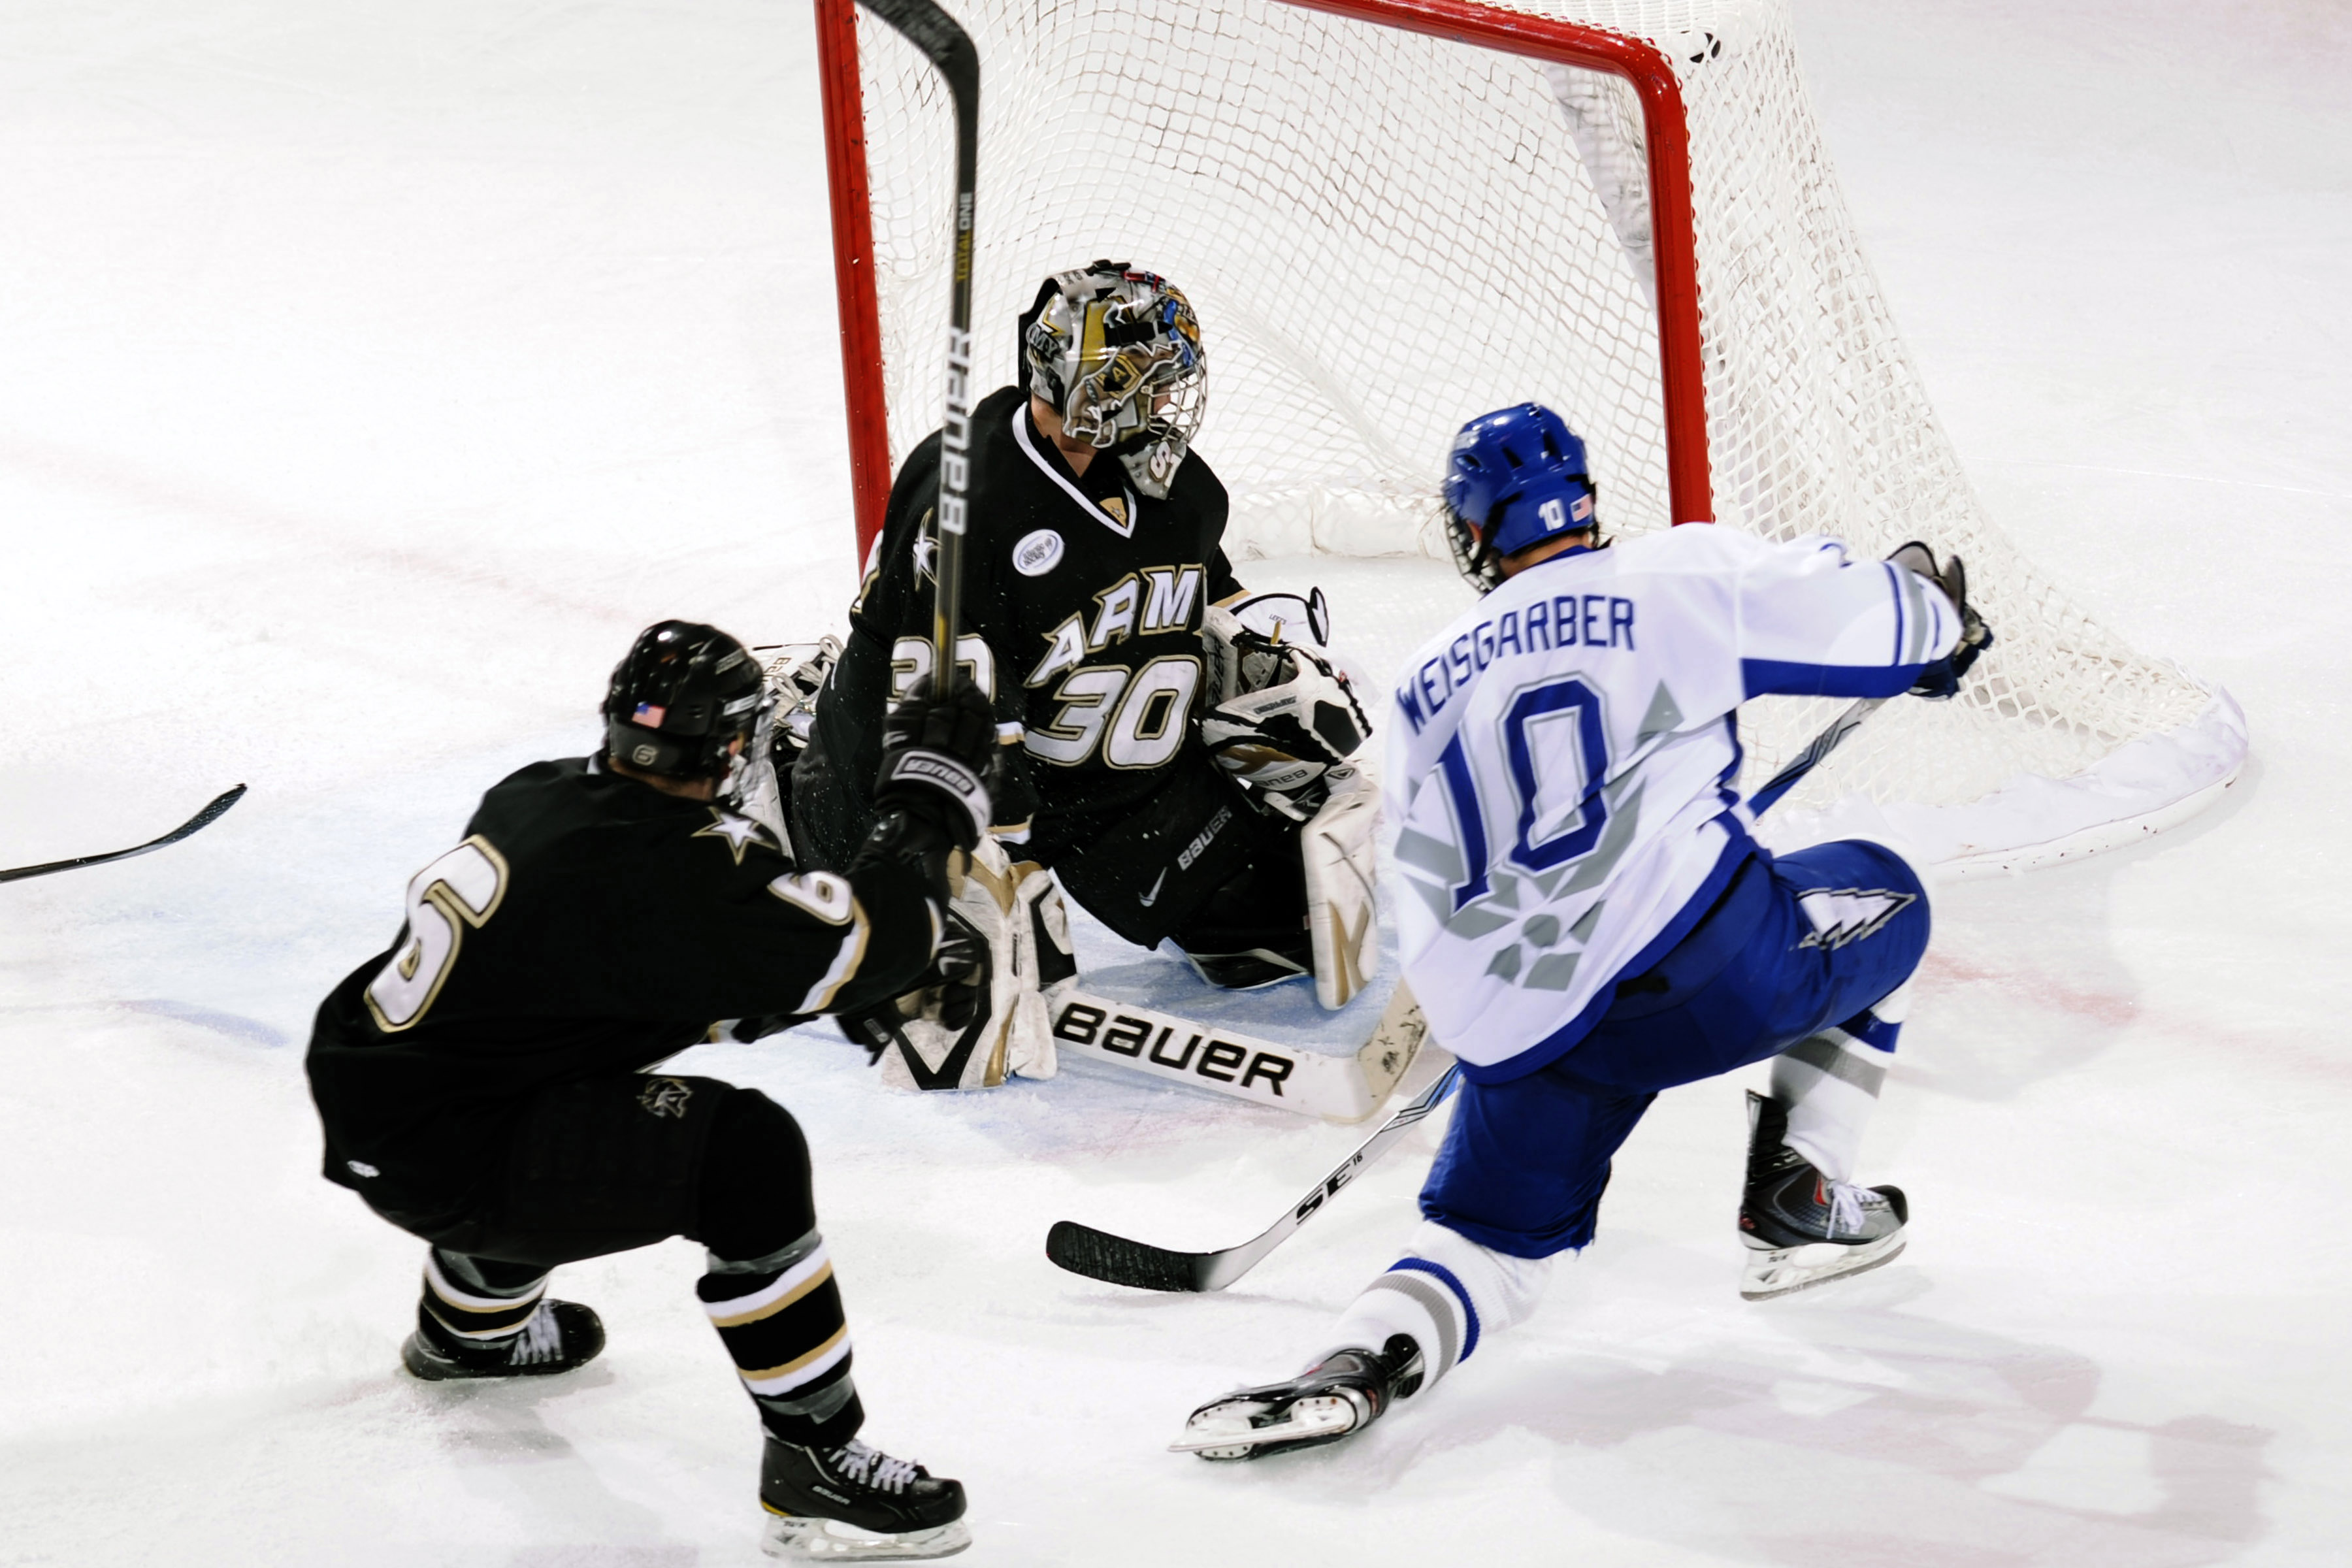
(461,889)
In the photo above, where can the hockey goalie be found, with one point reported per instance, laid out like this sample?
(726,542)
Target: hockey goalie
(1179,756)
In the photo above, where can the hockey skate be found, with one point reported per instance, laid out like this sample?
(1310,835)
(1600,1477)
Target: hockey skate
(1344,1393)
(856,1504)
(558,1337)
(1802,1228)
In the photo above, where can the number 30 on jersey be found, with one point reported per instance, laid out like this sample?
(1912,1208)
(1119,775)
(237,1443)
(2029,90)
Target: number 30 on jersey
(461,889)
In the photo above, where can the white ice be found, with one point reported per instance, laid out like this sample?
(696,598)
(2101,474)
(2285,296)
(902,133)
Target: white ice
(370,371)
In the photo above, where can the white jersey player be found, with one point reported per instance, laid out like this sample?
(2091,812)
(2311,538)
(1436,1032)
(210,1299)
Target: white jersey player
(1589,921)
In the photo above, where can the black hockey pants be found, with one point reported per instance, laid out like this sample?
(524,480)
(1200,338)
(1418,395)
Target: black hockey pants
(618,1162)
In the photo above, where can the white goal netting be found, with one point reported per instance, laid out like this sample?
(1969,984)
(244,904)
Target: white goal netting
(1385,234)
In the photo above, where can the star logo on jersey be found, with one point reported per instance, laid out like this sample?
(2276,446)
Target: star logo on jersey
(926,552)
(1843,915)
(739,832)
(666,1097)
(1117,507)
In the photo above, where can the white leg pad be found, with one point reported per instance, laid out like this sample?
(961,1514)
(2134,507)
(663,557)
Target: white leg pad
(1336,847)
(1018,910)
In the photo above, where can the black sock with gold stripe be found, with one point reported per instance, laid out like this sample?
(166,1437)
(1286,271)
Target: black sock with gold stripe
(780,1319)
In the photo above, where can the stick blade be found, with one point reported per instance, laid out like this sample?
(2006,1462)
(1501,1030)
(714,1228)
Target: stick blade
(1113,1259)
(212,813)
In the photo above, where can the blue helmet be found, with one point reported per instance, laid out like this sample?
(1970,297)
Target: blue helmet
(1517,478)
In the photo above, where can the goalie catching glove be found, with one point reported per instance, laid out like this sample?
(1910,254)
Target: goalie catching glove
(1285,722)
(1282,712)
(1941,679)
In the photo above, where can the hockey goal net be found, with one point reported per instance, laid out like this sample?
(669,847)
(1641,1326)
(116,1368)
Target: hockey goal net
(1393,215)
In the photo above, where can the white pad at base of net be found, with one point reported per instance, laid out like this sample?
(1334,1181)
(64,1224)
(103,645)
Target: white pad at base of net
(1385,234)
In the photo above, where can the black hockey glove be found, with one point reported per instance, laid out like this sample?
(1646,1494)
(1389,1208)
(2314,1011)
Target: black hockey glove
(936,753)
(960,974)
(1940,680)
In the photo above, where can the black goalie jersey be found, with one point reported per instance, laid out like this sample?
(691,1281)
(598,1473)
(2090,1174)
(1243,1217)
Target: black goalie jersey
(587,924)
(1083,601)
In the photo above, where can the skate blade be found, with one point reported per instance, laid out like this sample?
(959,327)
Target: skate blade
(801,1540)
(1232,1431)
(1781,1271)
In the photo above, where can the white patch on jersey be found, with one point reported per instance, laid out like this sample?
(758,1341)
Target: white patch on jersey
(1037,553)
(1843,915)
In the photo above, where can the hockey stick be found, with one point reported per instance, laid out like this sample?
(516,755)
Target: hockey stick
(948,48)
(204,818)
(1082,1249)
(1098,1255)
(1831,737)
(1291,1078)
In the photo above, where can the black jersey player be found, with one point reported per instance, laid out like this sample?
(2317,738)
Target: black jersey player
(1093,554)
(485,1083)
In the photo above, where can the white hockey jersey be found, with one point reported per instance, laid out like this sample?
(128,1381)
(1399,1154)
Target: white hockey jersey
(1560,762)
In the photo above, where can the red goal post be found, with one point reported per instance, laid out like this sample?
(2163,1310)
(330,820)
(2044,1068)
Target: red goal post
(1666,136)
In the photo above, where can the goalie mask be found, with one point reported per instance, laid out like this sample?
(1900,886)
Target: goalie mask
(686,702)
(1118,354)
(1517,476)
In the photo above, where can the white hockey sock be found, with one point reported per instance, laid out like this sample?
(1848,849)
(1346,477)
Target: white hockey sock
(1446,1291)
(1830,1082)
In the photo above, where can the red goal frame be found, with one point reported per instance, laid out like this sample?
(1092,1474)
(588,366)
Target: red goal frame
(1666,131)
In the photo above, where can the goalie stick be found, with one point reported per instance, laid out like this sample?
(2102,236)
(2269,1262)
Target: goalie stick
(1291,1078)
(1098,1255)
(942,41)
(204,818)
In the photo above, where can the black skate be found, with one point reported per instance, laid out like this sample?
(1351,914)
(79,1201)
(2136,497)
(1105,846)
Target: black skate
(854,1503)
(1800,1227)
(558,1337)
(1344,1392)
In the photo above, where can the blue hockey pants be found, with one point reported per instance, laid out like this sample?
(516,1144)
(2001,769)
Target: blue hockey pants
(1525,1162)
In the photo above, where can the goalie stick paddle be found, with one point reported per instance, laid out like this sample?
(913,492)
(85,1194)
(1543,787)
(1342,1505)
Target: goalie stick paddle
(1098,1255)
(1206,1056)
(204,818)
(1082,1249)
(943,42)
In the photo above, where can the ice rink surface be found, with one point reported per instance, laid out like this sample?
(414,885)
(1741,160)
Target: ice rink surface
(374,371)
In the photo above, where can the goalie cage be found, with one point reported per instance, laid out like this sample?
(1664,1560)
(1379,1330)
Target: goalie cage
(1393,215)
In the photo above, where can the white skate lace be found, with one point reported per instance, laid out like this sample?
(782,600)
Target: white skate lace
(870,1467)
(541,1339)
(1845,1207)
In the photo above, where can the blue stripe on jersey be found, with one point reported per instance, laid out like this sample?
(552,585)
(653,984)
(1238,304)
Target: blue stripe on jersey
(1564,1039)
(1781,677)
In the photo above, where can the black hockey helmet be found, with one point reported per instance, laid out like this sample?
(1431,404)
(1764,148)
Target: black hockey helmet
(680,700)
